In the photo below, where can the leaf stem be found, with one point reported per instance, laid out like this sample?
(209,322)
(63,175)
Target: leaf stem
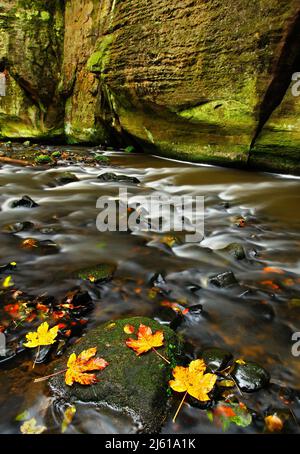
(36,356)
(37,380)
(161,356)
(179,408)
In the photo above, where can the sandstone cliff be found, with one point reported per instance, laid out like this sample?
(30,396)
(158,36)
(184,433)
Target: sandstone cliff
(193,79)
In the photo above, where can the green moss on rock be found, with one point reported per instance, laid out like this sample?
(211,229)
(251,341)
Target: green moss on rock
(97,273)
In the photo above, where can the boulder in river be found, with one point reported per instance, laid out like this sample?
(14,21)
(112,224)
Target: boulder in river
(225,279)
(132,384)
(24,202)
(250,376)
(65,178)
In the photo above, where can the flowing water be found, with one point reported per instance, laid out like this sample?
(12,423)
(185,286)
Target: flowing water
(254,319)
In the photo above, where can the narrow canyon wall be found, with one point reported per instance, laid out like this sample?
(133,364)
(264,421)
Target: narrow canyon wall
(201,80)
(31,37)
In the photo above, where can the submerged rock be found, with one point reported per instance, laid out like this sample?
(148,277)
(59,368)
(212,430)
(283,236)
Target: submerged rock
(65,178)
(216,359)
(250,376)
(24,202)
(112,177)
(45,247)
(18,227)
(225,279)
(133,384)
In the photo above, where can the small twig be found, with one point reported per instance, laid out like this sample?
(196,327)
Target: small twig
(179,408)
(12,161)
(294,416)
(37,380)
(161,356)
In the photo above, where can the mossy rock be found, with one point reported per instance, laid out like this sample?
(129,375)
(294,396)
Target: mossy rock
(98,273)
(137,385)
(66,178)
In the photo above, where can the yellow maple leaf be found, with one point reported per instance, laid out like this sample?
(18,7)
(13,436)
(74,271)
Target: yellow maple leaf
(8,282)
(193,381)
(30,427)
(43,336)
(85,362)
(146,340)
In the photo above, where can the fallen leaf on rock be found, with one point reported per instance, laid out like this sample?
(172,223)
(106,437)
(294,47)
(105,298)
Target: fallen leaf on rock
(43,336)
(146,340)
(85,362)
(128,329)
(30,427)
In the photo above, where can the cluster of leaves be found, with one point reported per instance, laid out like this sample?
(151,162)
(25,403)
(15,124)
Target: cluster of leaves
(226,413)
(19,311)
(193,380)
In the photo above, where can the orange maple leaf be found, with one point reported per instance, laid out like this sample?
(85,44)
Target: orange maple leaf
(146,340)
(78,366)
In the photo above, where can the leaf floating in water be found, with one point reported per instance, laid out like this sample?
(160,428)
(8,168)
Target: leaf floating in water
(227,413)
(43,336)
(193,381)
(68,418)
(128,329)
(30,427)
(22,416)
(8,282)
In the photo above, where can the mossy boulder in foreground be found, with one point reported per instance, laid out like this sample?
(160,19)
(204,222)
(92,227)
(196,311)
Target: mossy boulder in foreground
(133,384)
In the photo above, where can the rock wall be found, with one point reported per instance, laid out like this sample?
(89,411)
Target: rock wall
(31,37)
(193,79)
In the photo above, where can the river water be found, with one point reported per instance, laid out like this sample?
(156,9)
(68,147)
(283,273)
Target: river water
(254,319)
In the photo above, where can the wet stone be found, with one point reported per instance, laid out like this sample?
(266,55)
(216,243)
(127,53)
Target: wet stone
(225,279)
(251,377)
(24,202)
(216,359)
(112,177)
